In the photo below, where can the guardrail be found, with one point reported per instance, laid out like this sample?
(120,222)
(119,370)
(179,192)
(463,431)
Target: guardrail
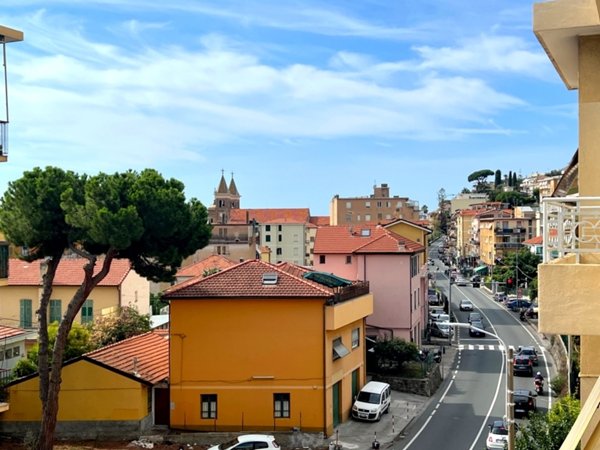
(571,226)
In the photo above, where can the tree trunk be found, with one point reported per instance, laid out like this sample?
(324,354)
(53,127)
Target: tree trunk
(45,439)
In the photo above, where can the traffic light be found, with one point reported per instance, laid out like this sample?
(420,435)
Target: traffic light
(509,282)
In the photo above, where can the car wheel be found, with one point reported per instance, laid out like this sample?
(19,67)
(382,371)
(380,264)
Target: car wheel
(378,418)
(387,409)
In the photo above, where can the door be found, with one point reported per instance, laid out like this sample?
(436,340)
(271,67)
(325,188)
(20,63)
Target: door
(337,416)
(161,406)
(355,388)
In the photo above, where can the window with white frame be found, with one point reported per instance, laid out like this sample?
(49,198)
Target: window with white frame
(281,405)
(209,406)
(355,337)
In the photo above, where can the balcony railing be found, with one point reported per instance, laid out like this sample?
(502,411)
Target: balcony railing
(571,226)
(507,245)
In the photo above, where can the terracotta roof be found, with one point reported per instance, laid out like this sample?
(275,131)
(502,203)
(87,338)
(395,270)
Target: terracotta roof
(320,221)
(294,269)
(469,212)
(145,356)
(212,262)
(8,332)
(69,272)
(246,280)
(537,240)
(299,215)
(362,239)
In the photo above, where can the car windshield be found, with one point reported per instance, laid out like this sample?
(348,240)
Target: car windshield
(500,429)
(368,397)
(228,444)
(477,323)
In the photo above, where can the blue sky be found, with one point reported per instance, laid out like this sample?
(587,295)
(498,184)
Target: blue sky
(301,100)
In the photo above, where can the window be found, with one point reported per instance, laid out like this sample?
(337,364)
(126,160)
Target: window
(367,204)
(348,259)
(268,238)
(379,204)
(279,237)
(279,251)
(367,217)
(25,313)
(348,205)
(279,227)
(87,311)
(55,311)
(3,261)
(281,405)
(348,217)
(355,337)
(321,259)
(267,227)
(339,349)
(8,353)
(16,351)
(379,216)
(295,237)
(209,406)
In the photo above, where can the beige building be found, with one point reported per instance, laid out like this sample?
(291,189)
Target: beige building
(464,221)
(467,200)
(21,292)
(569,32)
(500,236)
(378,207)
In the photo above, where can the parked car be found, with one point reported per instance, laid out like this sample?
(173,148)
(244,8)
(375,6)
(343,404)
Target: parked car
(474,316)
(499,296)
(522,365)
(439,329)
(524,401)
(532,311)
(436,311)
(466,305)
(518,304)
(372,401)
(498,436)
(249,441)
(476,325)
(530,352)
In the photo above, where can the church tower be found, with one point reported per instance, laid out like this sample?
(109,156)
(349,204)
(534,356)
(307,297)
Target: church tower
(226,199)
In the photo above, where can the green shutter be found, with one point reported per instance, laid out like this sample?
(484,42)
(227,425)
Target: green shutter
(55,311)
(26,313)
(87,311)
(3,261)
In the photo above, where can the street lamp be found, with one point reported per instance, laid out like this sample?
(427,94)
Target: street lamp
(509,404)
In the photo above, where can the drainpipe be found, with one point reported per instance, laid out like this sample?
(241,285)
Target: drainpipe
(411,297)
(324,370)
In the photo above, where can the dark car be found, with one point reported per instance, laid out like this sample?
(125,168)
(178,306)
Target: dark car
(517,304)
(522,365)
(440,330)
(530,352)
(476,326)
(476,280)
(474,316)
(524,401)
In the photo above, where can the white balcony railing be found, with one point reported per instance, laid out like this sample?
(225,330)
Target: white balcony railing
(571,226)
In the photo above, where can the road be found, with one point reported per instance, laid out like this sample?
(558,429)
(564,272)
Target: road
(475,394)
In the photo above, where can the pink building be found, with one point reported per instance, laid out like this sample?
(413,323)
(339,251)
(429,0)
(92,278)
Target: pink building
(390,263)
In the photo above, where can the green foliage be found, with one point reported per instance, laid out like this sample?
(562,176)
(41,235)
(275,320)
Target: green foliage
(497,178)
(513,198)
(24,367)
(392,354)
(532,287)
(548,431)
(479,177)
(157,303)
(211,271)
(78,342)
(558,383)
(527,266)
(114,328)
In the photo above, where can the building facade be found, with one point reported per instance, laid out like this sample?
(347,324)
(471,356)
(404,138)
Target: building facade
(379,207)
(292,351)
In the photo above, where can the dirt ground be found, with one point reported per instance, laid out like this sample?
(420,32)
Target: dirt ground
(114,445)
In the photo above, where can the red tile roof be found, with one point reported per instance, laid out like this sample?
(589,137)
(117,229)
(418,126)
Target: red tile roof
(246,280)
(145,356)
(69,272)
(270,215)
(8,332)
(320,221)
(537,240)
(212,262)
(350,239)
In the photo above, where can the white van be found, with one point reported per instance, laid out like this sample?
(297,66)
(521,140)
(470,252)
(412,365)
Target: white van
(372,401)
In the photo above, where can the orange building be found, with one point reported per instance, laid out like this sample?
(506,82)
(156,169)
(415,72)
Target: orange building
(259,346)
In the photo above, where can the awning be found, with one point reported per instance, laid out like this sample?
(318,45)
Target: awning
(481,270)
(327,279)
(339,349)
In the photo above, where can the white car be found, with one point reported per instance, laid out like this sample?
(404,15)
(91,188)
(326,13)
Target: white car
(372,401)
(249,442)
(498,436)
(466,305)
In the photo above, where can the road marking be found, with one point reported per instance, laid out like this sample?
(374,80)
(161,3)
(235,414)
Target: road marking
(487,347)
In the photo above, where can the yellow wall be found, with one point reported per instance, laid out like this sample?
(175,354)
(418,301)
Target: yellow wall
(245,350)
(413,233)
(88,392)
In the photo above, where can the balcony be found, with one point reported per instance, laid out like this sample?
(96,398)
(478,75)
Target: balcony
(568,278)
(508,245)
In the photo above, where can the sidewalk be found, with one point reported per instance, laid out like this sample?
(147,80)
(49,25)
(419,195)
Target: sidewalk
(405,407)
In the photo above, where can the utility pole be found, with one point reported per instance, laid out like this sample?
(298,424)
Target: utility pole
(517,274)
(510,410)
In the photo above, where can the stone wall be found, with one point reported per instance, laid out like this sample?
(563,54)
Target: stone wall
(420,386)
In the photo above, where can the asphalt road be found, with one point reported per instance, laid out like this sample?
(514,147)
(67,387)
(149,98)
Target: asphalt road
(475,395)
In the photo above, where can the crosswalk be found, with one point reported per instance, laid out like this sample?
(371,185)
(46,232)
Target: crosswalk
(484,347)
